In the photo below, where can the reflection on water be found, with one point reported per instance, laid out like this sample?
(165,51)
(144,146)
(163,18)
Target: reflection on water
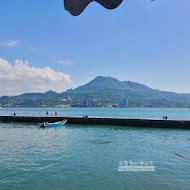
(87,157)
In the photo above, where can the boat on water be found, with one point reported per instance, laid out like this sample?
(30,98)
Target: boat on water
(55,124)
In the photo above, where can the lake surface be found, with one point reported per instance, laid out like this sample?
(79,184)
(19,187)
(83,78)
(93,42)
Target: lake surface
(103,112)
(77,157)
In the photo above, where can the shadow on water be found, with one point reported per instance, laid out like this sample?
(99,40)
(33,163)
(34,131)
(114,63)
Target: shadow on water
(17,125)
(125,128)
(80,126)
(101,142)
(25,125)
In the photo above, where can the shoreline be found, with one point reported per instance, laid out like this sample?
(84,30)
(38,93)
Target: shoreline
(128,122)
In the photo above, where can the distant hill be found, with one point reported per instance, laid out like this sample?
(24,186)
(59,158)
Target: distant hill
(101,92)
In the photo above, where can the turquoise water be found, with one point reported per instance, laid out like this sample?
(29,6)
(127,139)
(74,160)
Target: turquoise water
(75,157)
(103,112)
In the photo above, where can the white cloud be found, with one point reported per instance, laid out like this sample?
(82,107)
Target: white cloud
(65,63)
(11,43)
(20,78)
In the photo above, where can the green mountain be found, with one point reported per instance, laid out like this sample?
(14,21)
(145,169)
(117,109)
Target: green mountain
(102,91)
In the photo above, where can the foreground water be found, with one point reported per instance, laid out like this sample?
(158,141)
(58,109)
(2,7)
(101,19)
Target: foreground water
(75,157)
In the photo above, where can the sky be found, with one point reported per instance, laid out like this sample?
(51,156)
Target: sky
(43,47)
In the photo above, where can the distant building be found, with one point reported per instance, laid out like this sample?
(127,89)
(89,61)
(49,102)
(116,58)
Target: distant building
(84,103)
(63,106)
(123,102)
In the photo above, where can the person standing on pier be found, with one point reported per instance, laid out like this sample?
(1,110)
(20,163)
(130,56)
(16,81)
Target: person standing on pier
(55,113)
(46,113)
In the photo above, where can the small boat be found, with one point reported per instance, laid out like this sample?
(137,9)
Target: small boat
(56,124)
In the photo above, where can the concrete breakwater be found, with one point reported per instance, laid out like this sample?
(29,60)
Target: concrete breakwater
(133,122)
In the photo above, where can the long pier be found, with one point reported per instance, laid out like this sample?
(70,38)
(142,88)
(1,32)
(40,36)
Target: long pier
(130,122)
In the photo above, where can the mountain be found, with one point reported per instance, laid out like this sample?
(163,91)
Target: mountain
(102,91)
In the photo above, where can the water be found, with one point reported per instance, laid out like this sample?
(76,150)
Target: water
(75,157)
(103,112)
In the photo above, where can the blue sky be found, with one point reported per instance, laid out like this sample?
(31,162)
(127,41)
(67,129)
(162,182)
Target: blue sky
(142,41)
